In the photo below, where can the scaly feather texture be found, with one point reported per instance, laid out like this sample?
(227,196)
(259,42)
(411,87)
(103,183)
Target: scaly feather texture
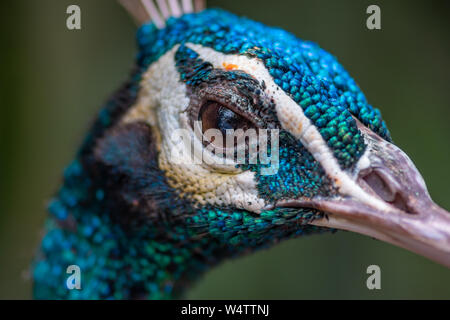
(142,226)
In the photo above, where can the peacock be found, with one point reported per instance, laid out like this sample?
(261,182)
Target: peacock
(144,213)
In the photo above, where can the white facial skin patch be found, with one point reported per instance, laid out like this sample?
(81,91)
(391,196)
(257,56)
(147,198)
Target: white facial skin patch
(162,103)
(293,120)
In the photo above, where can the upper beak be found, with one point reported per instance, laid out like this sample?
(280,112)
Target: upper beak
(410,219)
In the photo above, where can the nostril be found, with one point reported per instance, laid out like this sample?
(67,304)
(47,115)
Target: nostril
(400,203)
(381,186)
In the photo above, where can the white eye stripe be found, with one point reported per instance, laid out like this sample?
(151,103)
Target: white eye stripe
(161,88)
(292,119)
(162,102)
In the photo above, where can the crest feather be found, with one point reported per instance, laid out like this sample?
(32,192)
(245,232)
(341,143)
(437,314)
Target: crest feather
(158,11)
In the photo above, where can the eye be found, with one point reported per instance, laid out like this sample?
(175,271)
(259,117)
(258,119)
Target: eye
(215,115)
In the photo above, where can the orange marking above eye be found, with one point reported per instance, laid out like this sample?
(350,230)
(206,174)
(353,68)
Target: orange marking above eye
(229,66)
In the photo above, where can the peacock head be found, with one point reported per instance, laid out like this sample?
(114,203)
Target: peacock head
(232,136)
(321,155)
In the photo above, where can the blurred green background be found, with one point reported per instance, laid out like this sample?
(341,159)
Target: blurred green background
(53,81)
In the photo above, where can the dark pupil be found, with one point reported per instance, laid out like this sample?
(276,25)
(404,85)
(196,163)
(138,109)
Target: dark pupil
(216,116)
(227,119)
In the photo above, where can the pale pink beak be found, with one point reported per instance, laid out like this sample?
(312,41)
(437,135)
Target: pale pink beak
(411,221)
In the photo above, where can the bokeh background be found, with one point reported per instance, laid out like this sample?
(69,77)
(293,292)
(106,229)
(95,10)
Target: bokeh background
(53,81)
